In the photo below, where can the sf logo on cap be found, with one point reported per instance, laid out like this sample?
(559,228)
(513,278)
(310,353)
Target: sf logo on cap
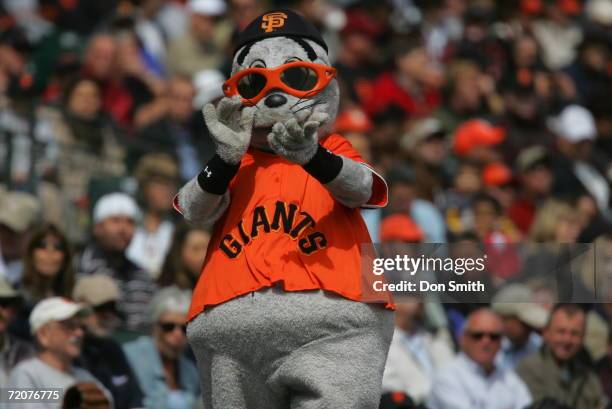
(272,21)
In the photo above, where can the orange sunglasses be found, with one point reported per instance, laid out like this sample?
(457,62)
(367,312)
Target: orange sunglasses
(301,79)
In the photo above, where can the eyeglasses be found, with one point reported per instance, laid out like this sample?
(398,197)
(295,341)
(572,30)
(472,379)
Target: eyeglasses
(480,335)
(301,79)
(168,327)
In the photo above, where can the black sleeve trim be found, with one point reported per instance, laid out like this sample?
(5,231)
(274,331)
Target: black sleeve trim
(217,175)
(324,165)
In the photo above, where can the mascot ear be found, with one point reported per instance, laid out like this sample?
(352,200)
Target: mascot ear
(312,55)
(243,53)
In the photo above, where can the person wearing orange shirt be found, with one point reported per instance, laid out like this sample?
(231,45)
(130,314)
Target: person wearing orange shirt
(281,315)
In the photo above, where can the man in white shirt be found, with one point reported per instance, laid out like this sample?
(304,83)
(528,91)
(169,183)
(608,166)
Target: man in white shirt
(472,381)
(416,354)
(56,325)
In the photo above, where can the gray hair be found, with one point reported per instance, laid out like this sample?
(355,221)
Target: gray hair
(170,299)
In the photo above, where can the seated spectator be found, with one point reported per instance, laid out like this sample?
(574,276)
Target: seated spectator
(200,48)
(184,261)
(115,63)
(403,199)
(114,218)
(357,59)
(428,151)
(456,202)
(496,232)
(174,125)
(561,369)
(472,380)
(558,33)
(522,318)
(412,86)
(469,93)
(157,175)
(87,148)
(56,325)
(575,169)
(12,350)
(48,271)
(101,355)
(167,377)
(416,354)
(18,212)
(535,184)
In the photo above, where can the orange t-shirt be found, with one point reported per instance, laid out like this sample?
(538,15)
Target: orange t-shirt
(283,226)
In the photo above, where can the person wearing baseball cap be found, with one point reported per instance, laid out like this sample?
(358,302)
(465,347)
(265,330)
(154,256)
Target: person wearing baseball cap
(576,169)
(57,328)
(475,139)
(101,354)
(523,319)
(535,182)
(115,216)
(201,47)
(400,227)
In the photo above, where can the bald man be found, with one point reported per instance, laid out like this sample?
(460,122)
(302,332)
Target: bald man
(471,380)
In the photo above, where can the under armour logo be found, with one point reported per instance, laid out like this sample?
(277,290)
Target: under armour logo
(208,172)
(272,21)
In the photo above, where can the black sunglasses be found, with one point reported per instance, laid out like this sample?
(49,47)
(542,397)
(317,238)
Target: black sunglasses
(171,326)
(9,302)
(479,335)
(46,245)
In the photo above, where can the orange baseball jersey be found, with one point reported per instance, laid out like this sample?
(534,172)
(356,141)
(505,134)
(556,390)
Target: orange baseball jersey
(284,227)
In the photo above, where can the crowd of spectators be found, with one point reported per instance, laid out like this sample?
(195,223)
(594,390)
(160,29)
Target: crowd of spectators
(489,120)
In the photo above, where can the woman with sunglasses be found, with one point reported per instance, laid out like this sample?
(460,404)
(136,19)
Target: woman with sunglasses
(47,272)
(167,377)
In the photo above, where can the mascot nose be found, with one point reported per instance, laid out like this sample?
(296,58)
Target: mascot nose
(275,100)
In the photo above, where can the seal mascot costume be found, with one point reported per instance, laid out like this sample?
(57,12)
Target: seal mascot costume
(278,317)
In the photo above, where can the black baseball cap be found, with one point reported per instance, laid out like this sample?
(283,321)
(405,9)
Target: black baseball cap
(277,23)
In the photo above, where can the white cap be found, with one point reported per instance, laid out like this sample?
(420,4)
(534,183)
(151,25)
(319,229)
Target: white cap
(516,300)
(574,124)
(208,85)
(207,7)
(115,204)
(599,11)
(53,309)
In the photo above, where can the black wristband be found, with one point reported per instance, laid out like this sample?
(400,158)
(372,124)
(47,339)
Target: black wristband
(217,175)
(324,165)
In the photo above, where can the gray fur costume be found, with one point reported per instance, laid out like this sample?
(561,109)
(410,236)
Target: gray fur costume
(274,349)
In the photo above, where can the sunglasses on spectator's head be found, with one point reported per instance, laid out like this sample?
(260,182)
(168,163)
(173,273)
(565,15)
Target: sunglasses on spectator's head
(479,335)
(302,79)
(171,326)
